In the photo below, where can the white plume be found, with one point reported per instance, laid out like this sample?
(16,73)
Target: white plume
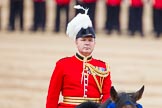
(78,22)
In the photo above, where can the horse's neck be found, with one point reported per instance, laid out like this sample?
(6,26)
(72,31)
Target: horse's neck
(104,105)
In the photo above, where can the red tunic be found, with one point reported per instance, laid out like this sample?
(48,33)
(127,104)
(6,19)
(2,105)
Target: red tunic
(62,2)
(136,3)
(113,2)
(89,1)
(66,79)
(157,4)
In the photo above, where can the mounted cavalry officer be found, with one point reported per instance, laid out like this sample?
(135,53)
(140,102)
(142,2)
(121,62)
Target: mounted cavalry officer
(81,77)
(157,16)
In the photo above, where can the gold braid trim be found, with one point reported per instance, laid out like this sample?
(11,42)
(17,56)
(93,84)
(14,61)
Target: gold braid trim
(94,71)
(97,71)
(79,100)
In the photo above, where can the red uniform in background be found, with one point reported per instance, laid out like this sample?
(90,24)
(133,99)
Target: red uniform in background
(136,3)
(135,23)
(0,14)
(112,16)
(113,2)
(157,4)
(91,5)
(157,17)
(89,1)
(39,0)
(16,12)
(62,2)
(68,78)
(39,19)
(61,5)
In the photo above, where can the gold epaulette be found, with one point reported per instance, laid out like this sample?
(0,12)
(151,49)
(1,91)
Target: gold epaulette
(98,72)
(102,74)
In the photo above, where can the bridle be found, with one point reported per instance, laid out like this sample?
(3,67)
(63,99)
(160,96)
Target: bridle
(113,105)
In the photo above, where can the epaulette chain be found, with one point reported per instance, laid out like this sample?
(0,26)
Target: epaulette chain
(94,71)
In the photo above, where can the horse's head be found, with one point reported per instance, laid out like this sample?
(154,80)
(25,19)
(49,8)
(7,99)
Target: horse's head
(125,100)
(117,100)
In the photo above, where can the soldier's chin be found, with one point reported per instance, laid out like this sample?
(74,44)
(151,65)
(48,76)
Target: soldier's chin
(87,52)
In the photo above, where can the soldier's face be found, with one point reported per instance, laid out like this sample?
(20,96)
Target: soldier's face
(85,45)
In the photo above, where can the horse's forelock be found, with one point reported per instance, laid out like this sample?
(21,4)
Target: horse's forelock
(124,99)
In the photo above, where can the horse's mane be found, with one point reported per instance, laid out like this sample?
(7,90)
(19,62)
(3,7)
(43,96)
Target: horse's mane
(107,102)
(88,104)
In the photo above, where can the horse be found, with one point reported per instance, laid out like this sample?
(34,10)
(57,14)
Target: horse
(117,100)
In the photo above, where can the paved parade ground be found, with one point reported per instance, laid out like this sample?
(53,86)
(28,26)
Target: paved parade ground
(27,61)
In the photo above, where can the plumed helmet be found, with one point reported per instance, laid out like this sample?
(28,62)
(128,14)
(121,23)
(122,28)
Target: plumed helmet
(80,25)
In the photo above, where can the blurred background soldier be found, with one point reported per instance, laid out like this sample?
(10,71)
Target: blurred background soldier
(79,2)
(91,5)
(157,17)
(61,4)
(16,10)
(0,13)
(39,19)
(112,16)
(135,23)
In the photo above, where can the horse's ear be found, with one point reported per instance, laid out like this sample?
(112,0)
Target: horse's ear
(113,94)
(139,93)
